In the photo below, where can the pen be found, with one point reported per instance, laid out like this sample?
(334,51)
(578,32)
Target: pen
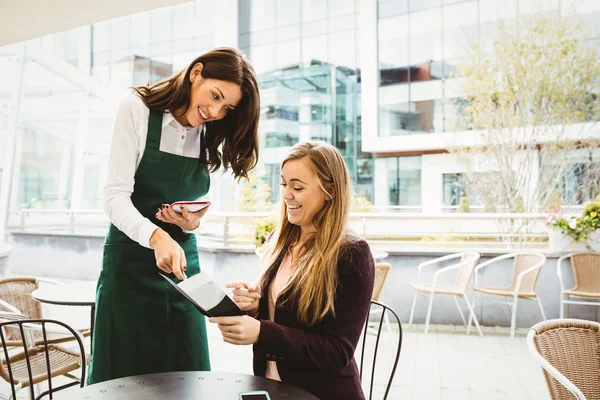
(184,276)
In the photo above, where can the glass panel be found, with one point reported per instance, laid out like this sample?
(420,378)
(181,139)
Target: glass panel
(160,25)
(398,181)
(416,5)
(390,8)
(287,12)
(313,10)
(314,49)
(342,49)
(140,29)
(119,33)
(288,54)
(101,37)
(460,29)
(183,21)
(393,50)
(340,7)
(262,15)
(425,38)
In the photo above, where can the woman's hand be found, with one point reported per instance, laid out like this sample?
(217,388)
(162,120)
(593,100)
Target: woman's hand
(245,295)
(187,221)
(238,330)
(169,255)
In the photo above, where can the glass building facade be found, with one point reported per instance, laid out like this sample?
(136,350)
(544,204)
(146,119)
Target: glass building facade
(310,57)
(420,44)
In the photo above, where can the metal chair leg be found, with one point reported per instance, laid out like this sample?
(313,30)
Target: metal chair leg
(428,313)
(460,311)
(472,315)
(513,319)
(541,308)
(412,310)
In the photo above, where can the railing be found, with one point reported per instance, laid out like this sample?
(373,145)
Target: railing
(392,229)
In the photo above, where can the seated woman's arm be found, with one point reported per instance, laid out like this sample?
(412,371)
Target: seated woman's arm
(333,347)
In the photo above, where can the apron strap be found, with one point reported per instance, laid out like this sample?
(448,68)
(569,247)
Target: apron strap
(154,129)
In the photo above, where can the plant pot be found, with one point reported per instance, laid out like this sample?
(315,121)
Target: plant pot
(561,243)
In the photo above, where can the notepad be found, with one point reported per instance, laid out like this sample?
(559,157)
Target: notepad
(204,293)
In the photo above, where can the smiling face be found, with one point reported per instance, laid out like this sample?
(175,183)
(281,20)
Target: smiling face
(302,193)
(210,99)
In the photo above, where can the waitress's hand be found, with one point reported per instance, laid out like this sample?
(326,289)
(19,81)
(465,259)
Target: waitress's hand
(169,255)
(187,221)
(238,330)
(245,295)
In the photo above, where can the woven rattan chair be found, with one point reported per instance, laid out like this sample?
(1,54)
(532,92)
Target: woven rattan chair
(526,269)
(15,297)
(381,273)
(586,274)
(568,351)
(35,363)
(464,270)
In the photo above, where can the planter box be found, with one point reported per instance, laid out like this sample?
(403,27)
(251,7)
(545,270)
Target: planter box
(559,242)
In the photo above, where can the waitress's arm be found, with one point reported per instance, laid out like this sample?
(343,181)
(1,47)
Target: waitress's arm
(129,130)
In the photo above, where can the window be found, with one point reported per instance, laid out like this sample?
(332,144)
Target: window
(398,181)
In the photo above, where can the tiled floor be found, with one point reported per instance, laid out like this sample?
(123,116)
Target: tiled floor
(443,365)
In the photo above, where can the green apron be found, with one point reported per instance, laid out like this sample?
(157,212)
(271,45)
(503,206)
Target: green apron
(143,325)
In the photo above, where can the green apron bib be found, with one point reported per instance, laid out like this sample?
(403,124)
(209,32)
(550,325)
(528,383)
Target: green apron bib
(143,325)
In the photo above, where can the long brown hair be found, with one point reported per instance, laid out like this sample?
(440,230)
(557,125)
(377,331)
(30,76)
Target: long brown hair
(315,281)
(237,134)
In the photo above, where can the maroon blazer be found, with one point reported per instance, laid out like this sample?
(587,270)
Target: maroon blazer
(320,358)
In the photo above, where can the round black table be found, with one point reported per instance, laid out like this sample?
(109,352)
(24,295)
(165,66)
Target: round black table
(185,386)
(81,293)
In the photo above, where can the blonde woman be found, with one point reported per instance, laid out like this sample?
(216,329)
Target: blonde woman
(310,301)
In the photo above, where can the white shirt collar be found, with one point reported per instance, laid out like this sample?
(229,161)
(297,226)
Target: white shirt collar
(168,118)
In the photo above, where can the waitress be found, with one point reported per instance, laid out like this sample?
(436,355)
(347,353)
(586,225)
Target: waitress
(166,139)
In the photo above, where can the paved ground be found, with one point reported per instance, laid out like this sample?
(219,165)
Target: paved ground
(446,364)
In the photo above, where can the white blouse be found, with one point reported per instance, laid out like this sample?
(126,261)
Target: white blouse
(128,142)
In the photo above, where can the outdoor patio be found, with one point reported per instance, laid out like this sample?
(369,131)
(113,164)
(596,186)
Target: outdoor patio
(445,364)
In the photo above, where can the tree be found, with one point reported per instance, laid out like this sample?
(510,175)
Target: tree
(527,105)
(255,195)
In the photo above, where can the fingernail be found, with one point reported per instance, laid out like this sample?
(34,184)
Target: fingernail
(184,268)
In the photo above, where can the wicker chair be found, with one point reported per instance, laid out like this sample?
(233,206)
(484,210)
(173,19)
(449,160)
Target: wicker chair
(39,363)
(464,270)
(15,297)
(526,269)
(586,273)
(381,273)
(568,351)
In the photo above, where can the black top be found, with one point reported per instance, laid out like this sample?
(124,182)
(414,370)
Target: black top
(184,385)
(320,358)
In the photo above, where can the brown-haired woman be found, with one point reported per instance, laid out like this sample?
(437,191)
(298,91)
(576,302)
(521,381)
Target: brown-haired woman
(167,137)
(316,285)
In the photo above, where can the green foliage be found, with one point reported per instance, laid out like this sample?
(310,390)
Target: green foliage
(464,206)
(360,204)
(579,229)
(262,230)
(255,195)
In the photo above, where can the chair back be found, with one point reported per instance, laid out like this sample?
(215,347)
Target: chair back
(17,292)
(385,310)
(521,262)
(586,272)
(571,347)
(381,272)
(468,263)
(38,363)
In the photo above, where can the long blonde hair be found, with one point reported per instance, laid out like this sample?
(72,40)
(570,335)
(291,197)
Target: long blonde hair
(315,280)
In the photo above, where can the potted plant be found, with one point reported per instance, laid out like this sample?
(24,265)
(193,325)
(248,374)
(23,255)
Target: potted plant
(576,233)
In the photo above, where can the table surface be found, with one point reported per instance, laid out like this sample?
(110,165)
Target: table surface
(184,385)
(67,294)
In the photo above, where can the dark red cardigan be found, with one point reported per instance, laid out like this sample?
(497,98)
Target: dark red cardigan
(320,359)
